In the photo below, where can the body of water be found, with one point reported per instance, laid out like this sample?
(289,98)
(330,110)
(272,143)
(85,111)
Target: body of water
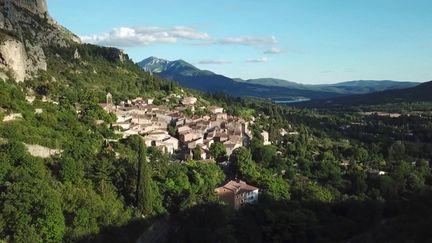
(290,101)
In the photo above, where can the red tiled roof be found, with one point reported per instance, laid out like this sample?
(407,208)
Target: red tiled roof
(239,187)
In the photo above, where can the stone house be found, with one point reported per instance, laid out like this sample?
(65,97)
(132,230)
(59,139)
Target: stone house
(216,110)
(237,193)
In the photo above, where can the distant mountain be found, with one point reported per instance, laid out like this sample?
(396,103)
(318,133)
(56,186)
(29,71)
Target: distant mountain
(190,76)
(153,64)
(349,87)
(419,93)
(366,86)
(273,82)
(179,67)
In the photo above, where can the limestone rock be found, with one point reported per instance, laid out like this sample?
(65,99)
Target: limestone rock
(12,117)
(2,21)
(76,56)
(13,58)
(36,150)
(26,30)
(37,59)
(38,7)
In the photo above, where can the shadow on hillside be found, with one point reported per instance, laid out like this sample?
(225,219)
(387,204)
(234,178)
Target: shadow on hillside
(126,233)
(402,220)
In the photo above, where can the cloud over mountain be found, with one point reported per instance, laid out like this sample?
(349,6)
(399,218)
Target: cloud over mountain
(150,35)
(144,36)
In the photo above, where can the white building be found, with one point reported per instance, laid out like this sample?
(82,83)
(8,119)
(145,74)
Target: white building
(216,110)
(266,140)
(188,101)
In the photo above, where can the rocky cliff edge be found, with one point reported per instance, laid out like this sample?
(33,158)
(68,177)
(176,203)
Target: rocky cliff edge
(26,29)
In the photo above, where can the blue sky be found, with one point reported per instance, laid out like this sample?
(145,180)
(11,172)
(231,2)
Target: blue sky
(307,41)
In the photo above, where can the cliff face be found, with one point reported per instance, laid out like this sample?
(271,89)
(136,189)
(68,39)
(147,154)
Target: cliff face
(26,29)
(13,57)
(38,7)
(35,6)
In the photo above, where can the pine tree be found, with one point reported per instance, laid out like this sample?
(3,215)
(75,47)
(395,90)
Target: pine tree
(144,193)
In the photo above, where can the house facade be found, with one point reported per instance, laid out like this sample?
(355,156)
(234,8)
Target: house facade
(237,193)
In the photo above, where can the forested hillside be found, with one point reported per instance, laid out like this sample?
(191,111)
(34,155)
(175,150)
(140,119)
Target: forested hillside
(309,180)
(357,174)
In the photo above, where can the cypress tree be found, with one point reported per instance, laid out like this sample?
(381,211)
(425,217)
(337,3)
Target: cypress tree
(144,192)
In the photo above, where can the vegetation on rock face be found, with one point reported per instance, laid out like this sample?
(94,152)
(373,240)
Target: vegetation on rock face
(98,70)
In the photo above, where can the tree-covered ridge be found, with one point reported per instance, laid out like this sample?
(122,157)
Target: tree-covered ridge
(192,77)
(95,70)
(419,93)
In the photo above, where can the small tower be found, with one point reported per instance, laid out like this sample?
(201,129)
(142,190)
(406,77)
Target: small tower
(109,100)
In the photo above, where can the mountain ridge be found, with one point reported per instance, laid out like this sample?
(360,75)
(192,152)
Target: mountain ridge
(204,80)
(192,77)
(419,93)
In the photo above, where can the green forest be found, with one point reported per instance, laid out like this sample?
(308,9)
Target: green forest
(337,175)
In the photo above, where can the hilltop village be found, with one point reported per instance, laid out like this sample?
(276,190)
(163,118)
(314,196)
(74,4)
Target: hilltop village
(178,130)
(184,135)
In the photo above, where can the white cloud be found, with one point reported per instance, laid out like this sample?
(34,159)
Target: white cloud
(257,60)
(144,36)
(188,33)
(248,41)
(273,50)
(211,61)
(150,35)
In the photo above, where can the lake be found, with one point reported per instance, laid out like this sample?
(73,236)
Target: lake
(290,101)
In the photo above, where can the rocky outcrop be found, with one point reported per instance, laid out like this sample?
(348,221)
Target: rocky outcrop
(36,150)
(21,59)
(76,56)
(12,117)
(26,29)
(38,7)
(13,58)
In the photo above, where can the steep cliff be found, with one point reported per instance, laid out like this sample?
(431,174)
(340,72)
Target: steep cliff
(26,29)
(37,7)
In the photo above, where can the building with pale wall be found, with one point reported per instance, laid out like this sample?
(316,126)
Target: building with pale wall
(237,193)
(266,140)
